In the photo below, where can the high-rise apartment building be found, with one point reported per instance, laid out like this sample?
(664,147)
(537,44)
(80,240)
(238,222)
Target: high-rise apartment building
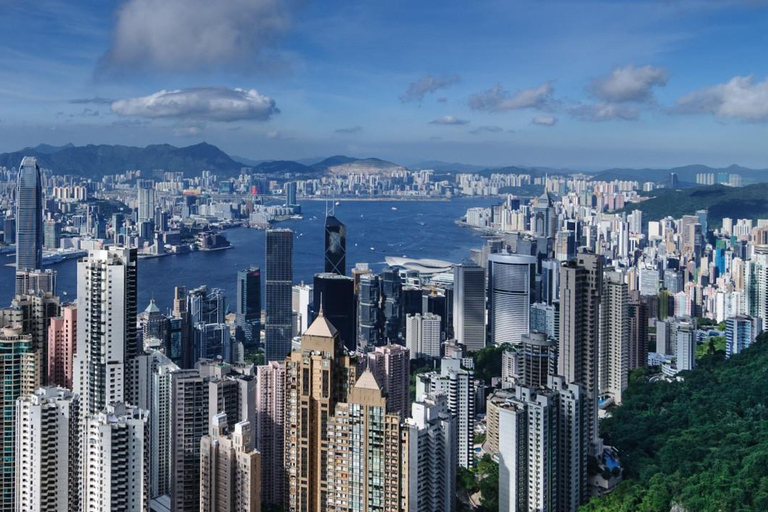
(538,355)
(390,364)
(29,216)
(637,313)
(511,282)
(20,368)
(740,332)
(430,456)
(685,335)
(62,343)
(105,369)
(581,286)
(335,246)
(269,431)
(614,337)
(279,280)
(48,451)
(230,468)
(33,312)
(145,201)
(248,311)
(469,306)
(422,335)
(114,461)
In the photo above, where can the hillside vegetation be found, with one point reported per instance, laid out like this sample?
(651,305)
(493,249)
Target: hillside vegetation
(701,444)
(721,201)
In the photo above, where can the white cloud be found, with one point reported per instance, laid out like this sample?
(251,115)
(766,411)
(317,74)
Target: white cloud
(486,129)
(497,99)
(349,131)
(629,84)
(740,98)
(426,85)
(605,112)
(209,103)
(449,120)
(182,35)
(544,120)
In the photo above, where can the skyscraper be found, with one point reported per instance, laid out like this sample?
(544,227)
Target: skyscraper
(390,364)
(469,306)
(145,210)
(107,345)
(335,245)
(740,332)
(279,280)
(614,337)
(29,216)
(248,313)
(269,431)
(511,281)
(48,451)
(19,366)
(62,343)
(581,286)
(230,479)
(369,318)
(392,303)
(336,294)
(539,358)
(422,335)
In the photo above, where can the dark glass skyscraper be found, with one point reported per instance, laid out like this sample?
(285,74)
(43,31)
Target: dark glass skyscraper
(279,281)
(29,216)
(248,313)
(337,295)
(335,246)
(392,303)
(369,323)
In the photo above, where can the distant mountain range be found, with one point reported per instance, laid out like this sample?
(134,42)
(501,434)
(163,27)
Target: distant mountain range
(99,160)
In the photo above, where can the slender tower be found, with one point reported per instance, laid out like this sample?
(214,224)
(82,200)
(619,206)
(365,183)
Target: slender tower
(29,216)
(335,245)
(279,280)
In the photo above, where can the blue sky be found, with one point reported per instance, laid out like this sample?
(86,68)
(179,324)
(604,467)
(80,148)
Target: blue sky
(579,84)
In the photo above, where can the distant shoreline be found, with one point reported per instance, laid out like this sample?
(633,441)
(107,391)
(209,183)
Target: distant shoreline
(374,199)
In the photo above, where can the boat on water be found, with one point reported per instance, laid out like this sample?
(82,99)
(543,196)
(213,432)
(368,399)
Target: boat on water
(338,203)
(372,249)
(394,207)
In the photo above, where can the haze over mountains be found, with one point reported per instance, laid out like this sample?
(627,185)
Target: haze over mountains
(98,160)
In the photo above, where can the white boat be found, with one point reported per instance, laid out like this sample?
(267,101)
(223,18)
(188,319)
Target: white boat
(338,203)
(372,249)
(394,207)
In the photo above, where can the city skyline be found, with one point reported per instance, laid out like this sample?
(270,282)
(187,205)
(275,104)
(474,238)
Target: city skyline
(649,83)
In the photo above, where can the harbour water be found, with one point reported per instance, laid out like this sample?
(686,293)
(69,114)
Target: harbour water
(375,229)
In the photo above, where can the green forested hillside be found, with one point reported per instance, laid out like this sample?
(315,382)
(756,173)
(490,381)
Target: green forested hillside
(701,444)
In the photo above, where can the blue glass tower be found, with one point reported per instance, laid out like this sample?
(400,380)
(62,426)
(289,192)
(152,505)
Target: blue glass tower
(29,216)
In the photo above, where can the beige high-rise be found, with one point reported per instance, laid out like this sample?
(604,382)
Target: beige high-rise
(614,337)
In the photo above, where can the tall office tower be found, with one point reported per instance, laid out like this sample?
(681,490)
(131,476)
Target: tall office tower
(469,306)
(440,302)
(335,294)
(179,301)
(230,479)
(301,302)
(543,219)
(214,340)
(29,216)
(155,371)
(392,303)
(637,311)
(430,456)
(279,278)
(369,317)
(390,364)
(614,337)
(457,384)
(47,451)
(290,193)
(422,335)
(248,313)
(317,378)
(181,352)
(538,354)
(581,286)
(546,318)
(62,343)
(549,286)
(189,423)
(51,234)
(107,345)
(335,246)
(269,432)
(542,462)
(19,366)
(206,306)
(30,282)
(114,462)
(413,299)
(145,210)
(364,460)
(511,282)
(740,332)
(685,335)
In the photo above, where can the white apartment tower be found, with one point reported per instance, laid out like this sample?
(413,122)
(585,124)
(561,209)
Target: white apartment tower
(422,335)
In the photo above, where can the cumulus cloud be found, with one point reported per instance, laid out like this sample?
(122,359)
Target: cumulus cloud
(740,98)
(629,84)
(183,35)
(427,84)
(349,131)
(207,103)
(544,120)
(486,129)
(605,112)
(449,120)
(497,99)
